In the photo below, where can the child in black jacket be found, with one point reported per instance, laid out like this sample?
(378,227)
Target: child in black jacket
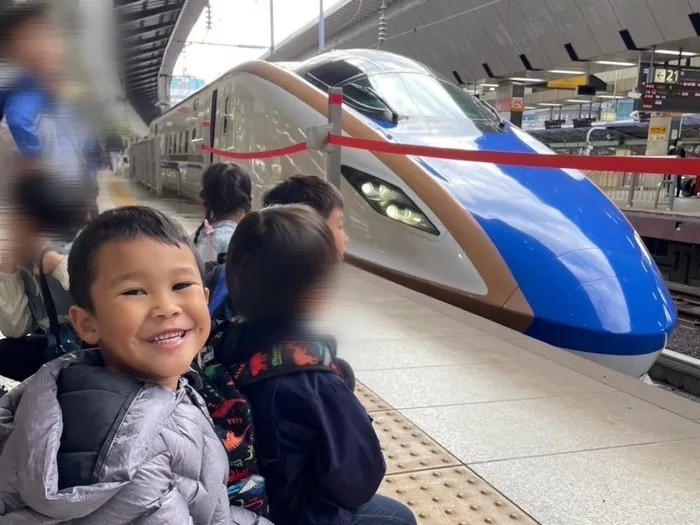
(318,451)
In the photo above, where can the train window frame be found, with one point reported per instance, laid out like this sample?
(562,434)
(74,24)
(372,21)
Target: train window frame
(381,105)
(187,141)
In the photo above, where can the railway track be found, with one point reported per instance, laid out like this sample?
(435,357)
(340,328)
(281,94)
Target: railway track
(687,300)
(674,366)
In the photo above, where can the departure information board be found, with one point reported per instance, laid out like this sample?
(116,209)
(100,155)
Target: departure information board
(671,90)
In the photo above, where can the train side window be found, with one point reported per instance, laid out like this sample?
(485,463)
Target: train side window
(194,133)
(180,142)
(187,141)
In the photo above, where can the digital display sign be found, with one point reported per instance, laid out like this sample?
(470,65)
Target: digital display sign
(671,89)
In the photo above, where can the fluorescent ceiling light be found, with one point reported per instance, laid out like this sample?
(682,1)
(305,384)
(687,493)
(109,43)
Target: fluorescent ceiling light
(487,85)
(549,104)
(530,107)
(566,72)
(492,89)
(526,79)
(615,63)
(578,101)
(674,53)
(615,97)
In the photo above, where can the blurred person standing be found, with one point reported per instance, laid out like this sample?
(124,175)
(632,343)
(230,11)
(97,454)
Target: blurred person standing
(44,133)
(115,146)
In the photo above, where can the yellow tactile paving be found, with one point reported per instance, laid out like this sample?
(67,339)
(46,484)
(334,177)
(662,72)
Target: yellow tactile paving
(427,478)
(370,400)
(119,192)
(453,496)
(406,448)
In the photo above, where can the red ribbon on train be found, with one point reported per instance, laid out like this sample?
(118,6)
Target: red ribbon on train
(651,165)
(648,165)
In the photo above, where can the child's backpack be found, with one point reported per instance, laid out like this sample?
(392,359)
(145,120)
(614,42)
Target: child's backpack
(220,306)
(230,410)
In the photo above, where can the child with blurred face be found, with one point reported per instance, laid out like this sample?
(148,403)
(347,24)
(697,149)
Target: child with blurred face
(317,193)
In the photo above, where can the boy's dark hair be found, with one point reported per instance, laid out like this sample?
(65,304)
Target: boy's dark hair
(226,190)
(275,256)
(14,15)
(55,205)
(311,190)
(119,224)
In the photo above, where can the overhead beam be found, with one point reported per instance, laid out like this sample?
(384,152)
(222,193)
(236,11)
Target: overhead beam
(126,3)
(147,42)
(150,13)
(153,70)
(143,84)
(130,33)
(149,53)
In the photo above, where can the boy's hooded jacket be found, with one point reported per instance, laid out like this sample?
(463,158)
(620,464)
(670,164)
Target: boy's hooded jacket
(84,445)
(316,446)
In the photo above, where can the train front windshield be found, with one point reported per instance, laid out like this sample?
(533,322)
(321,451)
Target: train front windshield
(416,95)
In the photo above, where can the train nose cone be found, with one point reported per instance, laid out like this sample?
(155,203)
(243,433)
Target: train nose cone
(607,302)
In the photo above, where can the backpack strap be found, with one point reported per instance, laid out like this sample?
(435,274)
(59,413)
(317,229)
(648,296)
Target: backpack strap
(285,358)
(54,328)
(219,294)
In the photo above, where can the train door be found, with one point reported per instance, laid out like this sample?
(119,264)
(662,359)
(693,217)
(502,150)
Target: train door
(212,123)
(225,130)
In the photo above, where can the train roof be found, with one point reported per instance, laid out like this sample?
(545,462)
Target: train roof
(369,61)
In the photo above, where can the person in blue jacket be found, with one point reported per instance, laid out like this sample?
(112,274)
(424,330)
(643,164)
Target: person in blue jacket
(44,133)
(317,449)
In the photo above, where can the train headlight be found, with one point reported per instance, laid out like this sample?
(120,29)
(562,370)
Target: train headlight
(389,200)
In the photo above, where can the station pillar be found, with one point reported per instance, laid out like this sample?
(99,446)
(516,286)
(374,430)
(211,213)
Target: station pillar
(664,128)
(510,102)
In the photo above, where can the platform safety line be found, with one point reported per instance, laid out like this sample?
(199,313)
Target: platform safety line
(119,192)
(418,481)
(646,165)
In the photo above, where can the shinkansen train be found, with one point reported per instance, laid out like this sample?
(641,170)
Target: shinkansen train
(542,251)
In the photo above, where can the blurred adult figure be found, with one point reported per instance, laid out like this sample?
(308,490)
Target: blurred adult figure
(41,132)
(115,146)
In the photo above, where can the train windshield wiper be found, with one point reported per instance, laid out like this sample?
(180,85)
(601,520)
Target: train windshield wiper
(370,91)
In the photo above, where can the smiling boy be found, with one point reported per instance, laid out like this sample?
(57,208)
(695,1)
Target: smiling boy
(116,435)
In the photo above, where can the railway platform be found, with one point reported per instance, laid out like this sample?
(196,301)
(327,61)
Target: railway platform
(481,424)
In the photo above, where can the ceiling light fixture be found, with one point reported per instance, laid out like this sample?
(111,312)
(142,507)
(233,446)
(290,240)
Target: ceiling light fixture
(675,53)
(615,63)
(526,79)
(487,85)
(614,97)
(566,72)
(577,101)
(549,104)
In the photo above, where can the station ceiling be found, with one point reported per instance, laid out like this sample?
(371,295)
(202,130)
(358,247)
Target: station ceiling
(152,34)
(487,39)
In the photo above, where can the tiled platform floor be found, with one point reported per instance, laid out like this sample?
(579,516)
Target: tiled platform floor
(567,441)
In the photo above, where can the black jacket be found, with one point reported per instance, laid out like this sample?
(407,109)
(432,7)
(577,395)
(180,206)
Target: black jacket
(318,451)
